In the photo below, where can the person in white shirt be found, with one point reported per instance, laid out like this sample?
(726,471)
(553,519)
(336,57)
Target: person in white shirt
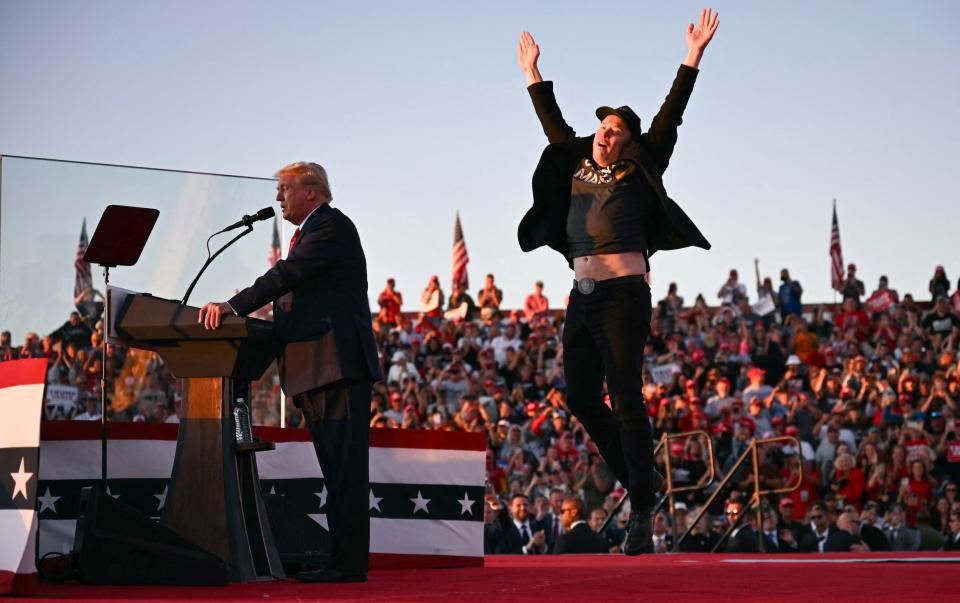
(91,412)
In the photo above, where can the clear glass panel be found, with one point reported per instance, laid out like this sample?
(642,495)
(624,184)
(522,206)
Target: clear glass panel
(43,205)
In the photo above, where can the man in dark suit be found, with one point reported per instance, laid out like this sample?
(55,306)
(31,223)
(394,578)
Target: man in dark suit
(743,539)
(577,536)
(775,538)
(824,537)
(849,524)
(952,542)
(901,536)
(327,355)
(516,531)
(553,521)
(600,201)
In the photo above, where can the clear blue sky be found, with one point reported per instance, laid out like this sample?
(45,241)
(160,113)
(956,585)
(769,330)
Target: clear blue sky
(418,110)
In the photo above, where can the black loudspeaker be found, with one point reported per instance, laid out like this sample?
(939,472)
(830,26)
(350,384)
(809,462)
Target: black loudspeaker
(298,542)
(116,544)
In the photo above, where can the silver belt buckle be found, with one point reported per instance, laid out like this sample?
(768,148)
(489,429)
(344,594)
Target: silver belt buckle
(586,285)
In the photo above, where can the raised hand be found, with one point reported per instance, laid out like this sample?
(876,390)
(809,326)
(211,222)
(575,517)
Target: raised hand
(527,55)
(699,36)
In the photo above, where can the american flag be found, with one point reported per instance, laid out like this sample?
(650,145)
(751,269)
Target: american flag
(836,254)
(275,250)
(84,278)
(460,257)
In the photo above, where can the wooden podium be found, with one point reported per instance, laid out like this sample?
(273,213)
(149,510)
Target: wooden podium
(214,497)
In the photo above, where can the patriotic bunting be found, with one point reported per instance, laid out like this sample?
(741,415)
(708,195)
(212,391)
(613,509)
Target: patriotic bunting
(21,405)
(426,489)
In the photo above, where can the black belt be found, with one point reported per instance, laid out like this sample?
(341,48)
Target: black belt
(587,285)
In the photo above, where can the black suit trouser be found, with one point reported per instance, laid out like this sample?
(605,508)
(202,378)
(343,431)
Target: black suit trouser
(603,337)
(338,417)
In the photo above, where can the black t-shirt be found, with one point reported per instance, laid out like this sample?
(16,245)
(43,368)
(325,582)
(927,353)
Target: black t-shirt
(941,325)
(607,214)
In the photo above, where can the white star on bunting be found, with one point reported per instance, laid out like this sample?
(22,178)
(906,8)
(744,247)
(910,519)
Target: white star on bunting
(322,494)
(320,518)
(48,502)
(375,501)
(20,479)
(466,505)
(162,498)
(420,503)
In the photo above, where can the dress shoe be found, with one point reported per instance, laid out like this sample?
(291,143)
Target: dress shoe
(329,575)
(639,534)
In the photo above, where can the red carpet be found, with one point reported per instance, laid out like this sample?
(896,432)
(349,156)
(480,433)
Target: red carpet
(582,578)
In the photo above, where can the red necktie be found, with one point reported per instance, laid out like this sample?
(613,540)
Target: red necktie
(296,233)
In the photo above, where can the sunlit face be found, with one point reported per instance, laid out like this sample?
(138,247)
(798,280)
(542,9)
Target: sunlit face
(608,142)
(520,508)
(569,513)
(597,517)
(296,201)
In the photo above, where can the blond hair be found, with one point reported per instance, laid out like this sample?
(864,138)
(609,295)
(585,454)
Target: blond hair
(308,174)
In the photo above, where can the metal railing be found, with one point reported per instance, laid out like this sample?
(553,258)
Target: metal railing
(671,491)
(752,452)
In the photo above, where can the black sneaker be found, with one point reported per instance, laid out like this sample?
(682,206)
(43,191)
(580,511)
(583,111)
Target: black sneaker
(639,534)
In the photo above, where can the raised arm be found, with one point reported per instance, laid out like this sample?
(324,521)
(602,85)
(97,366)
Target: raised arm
(527,54)
(541,92)
(662,135)
(698,37)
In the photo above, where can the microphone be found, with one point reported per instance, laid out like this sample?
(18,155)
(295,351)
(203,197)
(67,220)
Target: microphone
(263,214)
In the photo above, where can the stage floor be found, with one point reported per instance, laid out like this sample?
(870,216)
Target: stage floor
(681,577)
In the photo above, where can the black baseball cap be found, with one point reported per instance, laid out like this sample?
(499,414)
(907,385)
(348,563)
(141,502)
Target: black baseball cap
(626,114)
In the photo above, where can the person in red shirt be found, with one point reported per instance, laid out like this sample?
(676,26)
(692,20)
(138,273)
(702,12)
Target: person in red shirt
(848,482)
(535,306)
(874,471)
(897,471)
(853,319)
(389,301)
(807,492)
(919,483)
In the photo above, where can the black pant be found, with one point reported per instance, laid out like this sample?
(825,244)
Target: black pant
(604,336)
(338,417)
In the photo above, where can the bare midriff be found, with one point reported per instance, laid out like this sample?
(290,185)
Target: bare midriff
(609,265)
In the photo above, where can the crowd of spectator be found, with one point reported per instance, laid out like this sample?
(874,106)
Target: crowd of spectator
(869,388)
(138,385)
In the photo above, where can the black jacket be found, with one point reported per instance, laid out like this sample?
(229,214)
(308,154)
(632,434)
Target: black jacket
(580,539)
(874,537)
(838,541)
(321,313)
(545,223)
(743,540)
(504,537)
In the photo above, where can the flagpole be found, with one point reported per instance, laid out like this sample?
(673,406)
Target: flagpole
(834,288)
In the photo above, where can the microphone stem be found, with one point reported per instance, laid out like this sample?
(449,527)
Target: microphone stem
(210,259)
